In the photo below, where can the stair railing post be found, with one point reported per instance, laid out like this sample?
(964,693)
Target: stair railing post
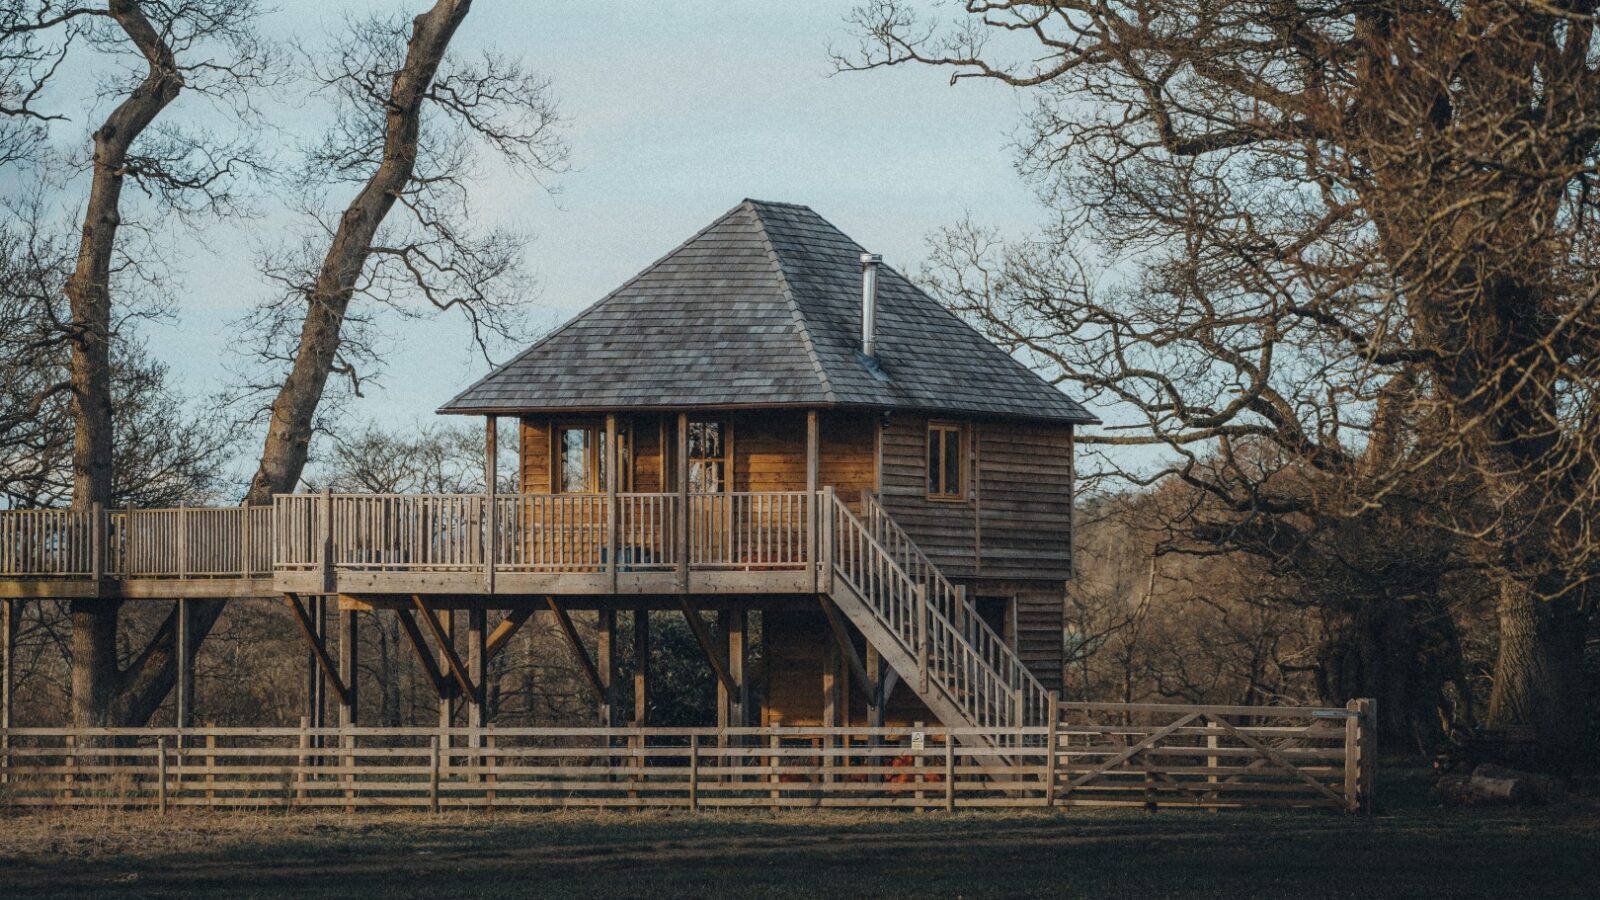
(1052,736)
(922,636)
(829,537)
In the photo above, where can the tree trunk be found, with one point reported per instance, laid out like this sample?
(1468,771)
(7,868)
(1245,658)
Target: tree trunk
(1539,677)
(283,457)
(95,676)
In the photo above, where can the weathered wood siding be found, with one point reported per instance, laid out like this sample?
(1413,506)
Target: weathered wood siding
(797,652)
(849,452)
(769,451)
(1024,501)
(535,456)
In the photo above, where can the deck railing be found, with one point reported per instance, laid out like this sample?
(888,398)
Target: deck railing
(375,533)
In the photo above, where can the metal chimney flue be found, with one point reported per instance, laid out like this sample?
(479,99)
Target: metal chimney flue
(869,303)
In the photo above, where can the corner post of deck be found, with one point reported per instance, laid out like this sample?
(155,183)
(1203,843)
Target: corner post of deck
(683,502)
(8,630)
(813,479)
(328,581)
(99,525)
(613,463)
(491,508)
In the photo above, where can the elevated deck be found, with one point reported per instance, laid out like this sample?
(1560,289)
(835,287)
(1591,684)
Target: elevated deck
(456,544)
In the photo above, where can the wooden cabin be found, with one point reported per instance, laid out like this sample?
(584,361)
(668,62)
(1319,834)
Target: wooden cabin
(770,356)
(765,423)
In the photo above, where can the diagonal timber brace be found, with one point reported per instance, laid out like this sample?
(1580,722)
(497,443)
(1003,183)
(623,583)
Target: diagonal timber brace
(702,636)
(591,672)
(505,631)
(318,649)
(442,685)
(458,670)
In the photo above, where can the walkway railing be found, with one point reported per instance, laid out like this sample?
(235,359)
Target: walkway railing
(377,533)
(1140,756)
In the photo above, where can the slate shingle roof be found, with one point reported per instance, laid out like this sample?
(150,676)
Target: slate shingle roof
(763,308)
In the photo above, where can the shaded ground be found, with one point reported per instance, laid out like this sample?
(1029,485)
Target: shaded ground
(1412,850)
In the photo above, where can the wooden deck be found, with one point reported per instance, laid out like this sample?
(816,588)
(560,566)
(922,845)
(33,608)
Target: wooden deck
(457,544)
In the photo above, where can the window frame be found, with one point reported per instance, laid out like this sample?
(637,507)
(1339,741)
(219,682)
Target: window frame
(935,430)
(725,486)
(591,458)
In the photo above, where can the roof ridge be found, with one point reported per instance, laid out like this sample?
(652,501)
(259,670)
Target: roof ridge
(598,303)
(800,323)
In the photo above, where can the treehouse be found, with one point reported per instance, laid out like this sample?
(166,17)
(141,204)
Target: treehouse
(765,425)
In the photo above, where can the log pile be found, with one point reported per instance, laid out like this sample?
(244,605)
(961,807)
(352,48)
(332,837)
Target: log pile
(1489,785)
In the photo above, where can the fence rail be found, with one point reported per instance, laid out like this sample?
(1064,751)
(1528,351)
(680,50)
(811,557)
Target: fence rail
(1148,757)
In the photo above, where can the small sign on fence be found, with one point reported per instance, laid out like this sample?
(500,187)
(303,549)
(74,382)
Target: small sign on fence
(919,740)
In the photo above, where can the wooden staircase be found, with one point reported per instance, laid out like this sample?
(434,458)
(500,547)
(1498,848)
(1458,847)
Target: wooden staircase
(924,626)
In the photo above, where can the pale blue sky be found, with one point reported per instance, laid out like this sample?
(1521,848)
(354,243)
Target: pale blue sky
(677,110)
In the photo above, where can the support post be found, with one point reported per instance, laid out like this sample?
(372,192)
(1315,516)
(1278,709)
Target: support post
(446,636)
(606,663)
(813,479)
(328,577)
(478,670)
(185,686)
(694,772)
(683,502)
(349,660)
(610,467)
(641,666)
(736,631)
(8,649)
(491,511)
(98,526)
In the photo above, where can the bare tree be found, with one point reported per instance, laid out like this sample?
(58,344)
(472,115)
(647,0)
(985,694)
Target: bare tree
(410,119)
(1331,210)
(204,47)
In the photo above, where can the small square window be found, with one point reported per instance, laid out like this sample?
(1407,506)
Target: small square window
(945,469)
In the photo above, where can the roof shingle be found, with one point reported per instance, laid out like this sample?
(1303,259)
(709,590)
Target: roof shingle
(763,308)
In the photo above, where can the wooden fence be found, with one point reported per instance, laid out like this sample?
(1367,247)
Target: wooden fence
(1147,756)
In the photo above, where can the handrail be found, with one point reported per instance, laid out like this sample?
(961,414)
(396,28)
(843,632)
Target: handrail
(900,605)
(952,602)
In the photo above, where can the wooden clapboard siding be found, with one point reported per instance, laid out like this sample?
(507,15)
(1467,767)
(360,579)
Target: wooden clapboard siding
(1025,501)
(1039,617)
(848,452)
(769,451)
(797,643)
(647,463)
(535,456)
(945,530)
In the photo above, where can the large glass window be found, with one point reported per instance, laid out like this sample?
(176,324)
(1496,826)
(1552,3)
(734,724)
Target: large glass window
(579,458)
(708,457)
(944,461)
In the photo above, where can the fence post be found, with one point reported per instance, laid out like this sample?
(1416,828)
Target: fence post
(1360,756)
(433,773)
(949,772)
(305,745)
(211,763)
(775,778)
(491,762)
(161,774)
(694,773)
(1052,736)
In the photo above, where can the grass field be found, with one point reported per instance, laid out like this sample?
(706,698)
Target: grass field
(1411,850)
